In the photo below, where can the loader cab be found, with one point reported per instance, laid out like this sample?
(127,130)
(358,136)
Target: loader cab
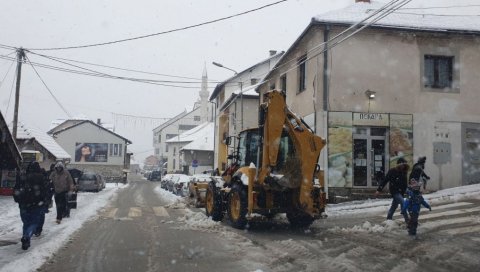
(248,147)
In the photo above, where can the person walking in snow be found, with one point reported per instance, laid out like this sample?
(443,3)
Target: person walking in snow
(63,185)
(397,180)
(413,203)
(30,193)
(418,172)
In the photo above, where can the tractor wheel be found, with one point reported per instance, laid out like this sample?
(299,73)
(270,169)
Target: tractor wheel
(299,219)
(213,203)
(237,206)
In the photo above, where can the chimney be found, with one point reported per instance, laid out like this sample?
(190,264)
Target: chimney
(364,1)
(99,121)
(272,52)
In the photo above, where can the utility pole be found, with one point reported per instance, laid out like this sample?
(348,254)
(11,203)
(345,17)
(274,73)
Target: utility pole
(20,58)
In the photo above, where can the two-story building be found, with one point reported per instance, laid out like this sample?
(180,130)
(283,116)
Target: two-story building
(202,112)
(94,148)
(237,105)
(405,86)
(192,151)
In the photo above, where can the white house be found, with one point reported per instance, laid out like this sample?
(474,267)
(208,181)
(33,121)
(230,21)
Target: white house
(192,151)
(202,112)
(94,148)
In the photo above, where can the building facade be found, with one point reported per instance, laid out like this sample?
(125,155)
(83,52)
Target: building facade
(202,112)
(404,86)
(94,148)
(237,105)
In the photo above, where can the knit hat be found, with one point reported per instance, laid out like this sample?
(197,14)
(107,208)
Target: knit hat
(422,159)
(401,160)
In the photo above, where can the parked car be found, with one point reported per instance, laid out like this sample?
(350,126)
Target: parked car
(155,175)
(91,182)
(177,183)
(165,179)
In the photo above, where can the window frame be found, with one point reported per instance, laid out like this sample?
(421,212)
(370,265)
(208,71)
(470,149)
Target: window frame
(436,66)
(302,74)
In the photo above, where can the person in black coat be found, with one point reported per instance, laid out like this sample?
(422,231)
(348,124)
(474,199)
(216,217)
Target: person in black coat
(30,193)
(397,180)
(418,172)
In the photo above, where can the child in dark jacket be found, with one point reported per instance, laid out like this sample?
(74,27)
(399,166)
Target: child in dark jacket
(413,203)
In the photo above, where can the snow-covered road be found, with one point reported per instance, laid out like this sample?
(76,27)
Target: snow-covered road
(355,236)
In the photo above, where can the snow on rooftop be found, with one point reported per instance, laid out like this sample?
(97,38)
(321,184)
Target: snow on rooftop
(400,19)
(199,138)
(24,132)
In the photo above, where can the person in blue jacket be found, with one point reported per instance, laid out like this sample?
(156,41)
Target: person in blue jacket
(413,203)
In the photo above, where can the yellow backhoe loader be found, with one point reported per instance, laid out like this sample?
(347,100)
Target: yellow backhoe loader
(274,170)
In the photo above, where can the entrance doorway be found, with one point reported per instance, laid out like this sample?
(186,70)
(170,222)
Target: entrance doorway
(369,149)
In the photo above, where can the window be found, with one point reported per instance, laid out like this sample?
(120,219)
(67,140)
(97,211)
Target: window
(196,118)
(120,150)
(174,151)
(438,71)
(169,136)
(283,83)
(157,151)
(111,150)
(272,86)
(186,127)
(159,138)
(166,148)
(302,70)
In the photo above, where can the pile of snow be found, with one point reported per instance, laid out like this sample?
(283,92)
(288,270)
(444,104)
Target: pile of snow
(195,220)
(172,201)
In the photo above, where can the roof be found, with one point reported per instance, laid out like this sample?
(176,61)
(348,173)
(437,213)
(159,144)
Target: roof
(11,156)
(219,86)
(247,93)
(174,119)
(400,19)
(199,138)
(64,126)
(26,133)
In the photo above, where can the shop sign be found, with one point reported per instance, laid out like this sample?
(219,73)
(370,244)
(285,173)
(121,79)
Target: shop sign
(370,119)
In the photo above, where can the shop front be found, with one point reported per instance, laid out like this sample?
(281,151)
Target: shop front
(362,146)
(10,159)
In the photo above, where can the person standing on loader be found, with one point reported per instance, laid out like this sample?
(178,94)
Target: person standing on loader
(397,180)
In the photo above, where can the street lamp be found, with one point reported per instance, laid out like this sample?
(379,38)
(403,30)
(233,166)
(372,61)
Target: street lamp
(241,89)
(221,65)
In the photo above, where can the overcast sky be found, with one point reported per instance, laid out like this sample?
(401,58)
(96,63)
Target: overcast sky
(237,43)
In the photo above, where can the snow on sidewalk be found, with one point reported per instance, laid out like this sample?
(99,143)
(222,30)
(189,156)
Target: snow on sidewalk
(13,258)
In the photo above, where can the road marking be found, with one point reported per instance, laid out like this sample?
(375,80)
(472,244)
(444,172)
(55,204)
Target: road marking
(462,230)
(160,211)
(436,208)
(135,212)
(450,221)
(111,213)
(449,213)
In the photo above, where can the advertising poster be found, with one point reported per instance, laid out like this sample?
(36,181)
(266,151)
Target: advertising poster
(401,138)
(91,152)
(340,172)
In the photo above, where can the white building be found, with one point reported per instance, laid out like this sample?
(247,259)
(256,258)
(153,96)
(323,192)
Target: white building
(93,148)
(237,104)
(202,112)
(192,151)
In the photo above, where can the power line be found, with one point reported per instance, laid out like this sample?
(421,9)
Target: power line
(124,69)
(6,74)
(165,32)
(54,97)
(103,75)
(11,90)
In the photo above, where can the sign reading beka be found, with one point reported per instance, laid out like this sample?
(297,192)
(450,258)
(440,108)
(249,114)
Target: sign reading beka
(370,119)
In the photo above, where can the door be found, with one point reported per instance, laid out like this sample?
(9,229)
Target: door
(369,155)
